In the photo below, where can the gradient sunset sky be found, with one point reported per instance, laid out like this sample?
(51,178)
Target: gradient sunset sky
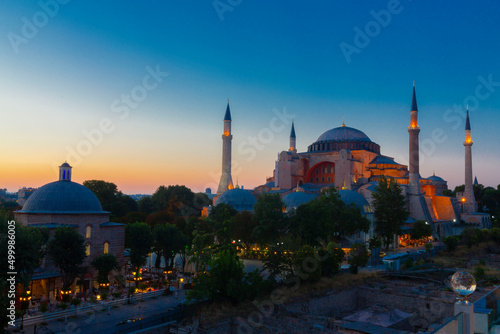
(66,68)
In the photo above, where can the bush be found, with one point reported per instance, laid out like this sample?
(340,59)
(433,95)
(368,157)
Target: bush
(479,273)
(63,306)
(76,301)
(451,243)
(104,296)
(44,307)
(117,294)
(409,263)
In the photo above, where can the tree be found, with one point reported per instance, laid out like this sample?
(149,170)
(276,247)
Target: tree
(220,218)
(243,226)
(327,216)
(358,257)
(421,229)
(168,241)
(67,251)
(332,258)
(279,260)
(306,263)
(146,205)
(111,198)
(270,219)
(224,280)
(390,210)
(104,264)
(139,239)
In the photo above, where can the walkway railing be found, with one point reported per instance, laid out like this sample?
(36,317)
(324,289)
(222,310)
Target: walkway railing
(80,310)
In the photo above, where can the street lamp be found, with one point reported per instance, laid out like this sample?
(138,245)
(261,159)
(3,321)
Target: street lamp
(463,202)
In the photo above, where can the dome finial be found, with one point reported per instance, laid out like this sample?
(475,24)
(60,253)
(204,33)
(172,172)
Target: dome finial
(413,83)
(343,121)
(344,187)
(433,173)
(237,184)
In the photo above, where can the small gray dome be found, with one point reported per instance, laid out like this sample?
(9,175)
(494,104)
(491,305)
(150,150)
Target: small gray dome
(295,199)
(62,197)
(350,196)
(239,199)
(435,178)
(344,133)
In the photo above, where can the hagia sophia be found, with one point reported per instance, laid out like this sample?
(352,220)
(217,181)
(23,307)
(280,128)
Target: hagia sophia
(348,159)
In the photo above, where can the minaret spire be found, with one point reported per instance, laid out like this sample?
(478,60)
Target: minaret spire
(226,181)
(293,147)
(469,205)
(413,131)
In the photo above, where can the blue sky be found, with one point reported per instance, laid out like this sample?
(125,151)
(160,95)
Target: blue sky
(63,78)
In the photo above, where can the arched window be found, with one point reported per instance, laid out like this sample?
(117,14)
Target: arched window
(106,247)
(88,233)
(87,250)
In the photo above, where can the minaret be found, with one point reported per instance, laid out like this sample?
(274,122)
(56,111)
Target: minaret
(65,172)
(468,201)
(226,182)
(293,147)
(414,130)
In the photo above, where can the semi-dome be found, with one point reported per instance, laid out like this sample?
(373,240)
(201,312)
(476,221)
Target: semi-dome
(62,197)
(240,199)
(295,199)
(343,137)
(350,196)
(344,133)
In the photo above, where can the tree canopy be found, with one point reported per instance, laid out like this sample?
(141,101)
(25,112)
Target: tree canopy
(390,210)
(67,250)
(139,239)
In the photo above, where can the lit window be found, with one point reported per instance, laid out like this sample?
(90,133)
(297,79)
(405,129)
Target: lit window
(106,247)
(87,250)
(89,229)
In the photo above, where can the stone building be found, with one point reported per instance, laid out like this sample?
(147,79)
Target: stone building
(66,203)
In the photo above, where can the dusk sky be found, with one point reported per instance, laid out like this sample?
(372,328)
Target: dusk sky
(154,78)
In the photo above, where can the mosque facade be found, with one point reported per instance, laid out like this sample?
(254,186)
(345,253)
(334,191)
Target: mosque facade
(348,159)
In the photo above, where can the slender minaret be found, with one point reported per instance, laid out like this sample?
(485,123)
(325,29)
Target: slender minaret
(469,205)
(226,182)
(293,147)
(414,130)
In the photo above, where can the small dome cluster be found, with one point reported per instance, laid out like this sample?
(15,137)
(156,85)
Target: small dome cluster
(240,199)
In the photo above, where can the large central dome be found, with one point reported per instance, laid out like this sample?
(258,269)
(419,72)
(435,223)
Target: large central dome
(343,137)
(344,133)
(62,197)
